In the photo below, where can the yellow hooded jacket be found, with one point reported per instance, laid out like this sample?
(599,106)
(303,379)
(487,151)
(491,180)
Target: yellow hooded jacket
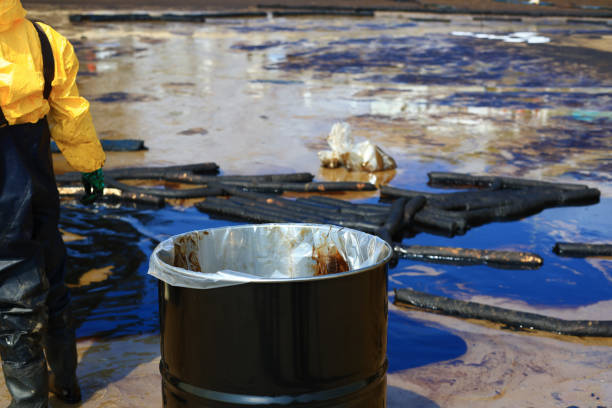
(22,82)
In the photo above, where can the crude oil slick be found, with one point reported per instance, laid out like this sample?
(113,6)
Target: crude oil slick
(531,99)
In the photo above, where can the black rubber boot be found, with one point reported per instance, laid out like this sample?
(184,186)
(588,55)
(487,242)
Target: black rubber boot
(60,348)
(23,291)
(27,383)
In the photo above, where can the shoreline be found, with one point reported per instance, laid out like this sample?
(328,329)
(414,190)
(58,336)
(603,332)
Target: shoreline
(516,8)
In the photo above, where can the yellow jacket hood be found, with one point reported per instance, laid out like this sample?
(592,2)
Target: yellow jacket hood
(10,12)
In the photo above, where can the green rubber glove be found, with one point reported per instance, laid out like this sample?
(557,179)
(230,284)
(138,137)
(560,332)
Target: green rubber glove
(94,186)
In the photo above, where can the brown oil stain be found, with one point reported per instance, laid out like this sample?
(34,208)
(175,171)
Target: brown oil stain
(69,236)
(93,276)
(194,131)
(186,253)
(328,261)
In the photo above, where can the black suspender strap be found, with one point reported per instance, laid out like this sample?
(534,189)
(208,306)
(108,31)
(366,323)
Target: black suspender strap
(48,67)
(3,121)
(48,61)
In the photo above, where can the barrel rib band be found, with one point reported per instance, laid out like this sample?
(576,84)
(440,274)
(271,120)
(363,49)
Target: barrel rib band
(264,400)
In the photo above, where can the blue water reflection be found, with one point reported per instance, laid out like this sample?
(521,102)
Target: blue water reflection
(412,344)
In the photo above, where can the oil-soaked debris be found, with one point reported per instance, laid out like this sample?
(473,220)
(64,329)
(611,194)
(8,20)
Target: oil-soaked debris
(119,97)
(194,131)
(470,256)
(210,185)
(179,84)
(137,17)
(323,13)
(152,40)
(263,46)
(112,145)
(513,318)
(412,211)
(578,249)
(277,81)
(527,2)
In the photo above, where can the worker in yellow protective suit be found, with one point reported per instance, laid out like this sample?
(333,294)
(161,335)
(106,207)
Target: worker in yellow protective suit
(38,100)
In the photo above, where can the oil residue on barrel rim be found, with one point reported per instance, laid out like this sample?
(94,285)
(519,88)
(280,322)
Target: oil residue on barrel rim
(186,253)
(328,260)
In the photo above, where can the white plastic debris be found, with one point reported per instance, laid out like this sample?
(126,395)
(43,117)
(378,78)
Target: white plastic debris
(363,156)
(241,254)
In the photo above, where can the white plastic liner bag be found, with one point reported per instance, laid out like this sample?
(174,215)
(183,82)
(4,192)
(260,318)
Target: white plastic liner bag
(235,255)
(363,156)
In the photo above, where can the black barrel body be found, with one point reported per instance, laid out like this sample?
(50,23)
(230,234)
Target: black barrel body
(317,342)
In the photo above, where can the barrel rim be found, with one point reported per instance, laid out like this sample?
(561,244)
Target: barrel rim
(198,275)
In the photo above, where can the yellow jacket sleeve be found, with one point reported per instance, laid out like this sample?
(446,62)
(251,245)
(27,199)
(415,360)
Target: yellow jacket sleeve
(69,118)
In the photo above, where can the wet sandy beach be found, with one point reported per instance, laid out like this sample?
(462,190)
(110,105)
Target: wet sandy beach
(529,98)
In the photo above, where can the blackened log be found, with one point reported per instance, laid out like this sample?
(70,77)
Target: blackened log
(109,145)
(236,14)
(481,199)
(531,202)
(395,192)
(115,196)
(329,186)
(512,318)
(582,250)
(315,13)
(252,211)
(145,172)
(410,209)
(312,187)
(106,18)
(211,190)
(459,201)
(224,208)
(347,204)
(287,208)
(353,210)
(363,225)
(142,199)
(468,180)
(395,219)
(579,197)
(331,201)
(138,200)
(273,210)
(448,222)
(330,214)
(468,256)
(185,177)
(186,18)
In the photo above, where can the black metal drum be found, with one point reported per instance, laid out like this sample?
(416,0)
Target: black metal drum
(315,341)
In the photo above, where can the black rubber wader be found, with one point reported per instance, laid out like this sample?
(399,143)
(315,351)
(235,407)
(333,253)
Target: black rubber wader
(35,317)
